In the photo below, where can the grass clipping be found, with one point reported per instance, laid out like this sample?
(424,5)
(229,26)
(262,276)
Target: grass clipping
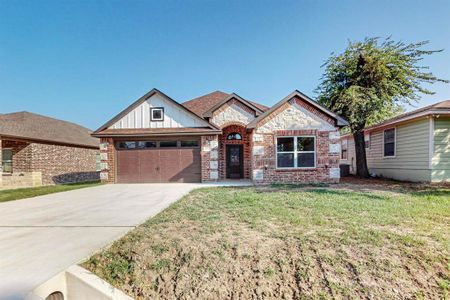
(281,242)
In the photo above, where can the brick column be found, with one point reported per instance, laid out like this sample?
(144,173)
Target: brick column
(108,164)
(210,156)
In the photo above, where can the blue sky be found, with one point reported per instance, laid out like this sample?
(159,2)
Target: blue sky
(84,61)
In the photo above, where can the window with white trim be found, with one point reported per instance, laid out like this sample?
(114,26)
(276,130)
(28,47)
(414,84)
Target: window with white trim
(156,114)
(296,152)
(344,151)
(389,142)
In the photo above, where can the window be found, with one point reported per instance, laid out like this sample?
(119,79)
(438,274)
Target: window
(344,151)
(296,152)
(189,143)
(234,136)
(7,160)
(146,144)
(127,145)
(389,143)
(168,144)
(157,114)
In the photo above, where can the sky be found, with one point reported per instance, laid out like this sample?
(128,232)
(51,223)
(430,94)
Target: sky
(85,61)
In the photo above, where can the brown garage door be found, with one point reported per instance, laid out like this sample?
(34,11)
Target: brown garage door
(176,160)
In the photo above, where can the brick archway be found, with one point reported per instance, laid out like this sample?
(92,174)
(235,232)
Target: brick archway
(245,142)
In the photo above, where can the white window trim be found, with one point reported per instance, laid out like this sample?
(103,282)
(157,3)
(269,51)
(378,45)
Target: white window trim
(395,143)
(295,152)
(157,119)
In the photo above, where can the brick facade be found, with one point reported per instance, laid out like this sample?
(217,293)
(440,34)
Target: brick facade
(294,117)
(210,158)
(56,163)
(264,165)
(108,160)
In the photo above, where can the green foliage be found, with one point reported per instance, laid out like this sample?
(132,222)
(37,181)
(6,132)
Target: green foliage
(370,80)
(15,194)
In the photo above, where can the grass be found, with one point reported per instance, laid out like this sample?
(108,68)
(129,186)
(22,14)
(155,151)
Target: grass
(15,194)
(287,242)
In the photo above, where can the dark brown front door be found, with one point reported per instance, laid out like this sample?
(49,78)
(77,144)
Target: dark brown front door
(235,166)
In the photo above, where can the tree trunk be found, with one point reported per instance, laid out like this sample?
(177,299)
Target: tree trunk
(360,150)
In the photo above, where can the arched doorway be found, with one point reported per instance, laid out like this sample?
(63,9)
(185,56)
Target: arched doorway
(234,152)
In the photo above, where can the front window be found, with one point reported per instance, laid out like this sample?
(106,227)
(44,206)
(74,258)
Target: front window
(389,142)
(296,152)
(7,160)
(234,136)
(157,114)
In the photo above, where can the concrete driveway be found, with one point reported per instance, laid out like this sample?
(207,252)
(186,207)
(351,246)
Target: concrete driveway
(41,236)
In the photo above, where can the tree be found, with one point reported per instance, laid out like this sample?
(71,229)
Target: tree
(370,81)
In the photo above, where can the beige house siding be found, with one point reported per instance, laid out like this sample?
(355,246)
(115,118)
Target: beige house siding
(411,161)
(441,156)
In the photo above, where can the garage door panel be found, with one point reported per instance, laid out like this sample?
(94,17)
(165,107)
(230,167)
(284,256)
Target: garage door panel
(128,167)
(149,166)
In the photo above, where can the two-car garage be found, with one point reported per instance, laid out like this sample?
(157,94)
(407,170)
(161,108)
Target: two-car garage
(158,160)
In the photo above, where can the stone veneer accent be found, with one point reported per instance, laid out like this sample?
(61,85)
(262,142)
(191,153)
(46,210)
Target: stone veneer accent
(108,160)
(232,112)
(209,156)
(56,163)
(296,118)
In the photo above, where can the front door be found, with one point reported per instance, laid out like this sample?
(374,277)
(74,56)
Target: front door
(235,166)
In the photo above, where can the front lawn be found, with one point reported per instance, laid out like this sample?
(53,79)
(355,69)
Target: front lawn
(285,242)
(15,194)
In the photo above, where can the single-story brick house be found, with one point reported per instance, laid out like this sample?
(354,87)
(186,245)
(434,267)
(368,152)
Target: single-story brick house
(414,146)
(38,150)
(221,136)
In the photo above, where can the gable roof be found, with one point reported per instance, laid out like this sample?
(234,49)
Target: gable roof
(340,122)
(30,126)
(203,104)
(442,107)
(140,101)
(210,111)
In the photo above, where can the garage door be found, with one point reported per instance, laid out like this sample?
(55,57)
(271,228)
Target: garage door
(158,161)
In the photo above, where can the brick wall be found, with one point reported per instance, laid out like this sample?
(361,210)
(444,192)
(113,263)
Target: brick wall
(245,142)
(327,162)
(108,160)
(57,163)
(64,164)
(22,155)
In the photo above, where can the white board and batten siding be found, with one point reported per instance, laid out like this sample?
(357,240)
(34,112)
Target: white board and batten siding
(412,152)
(174,116)
(441,155)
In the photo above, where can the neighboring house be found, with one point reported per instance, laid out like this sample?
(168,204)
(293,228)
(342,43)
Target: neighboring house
(221,136)
(414,146)
(38,150)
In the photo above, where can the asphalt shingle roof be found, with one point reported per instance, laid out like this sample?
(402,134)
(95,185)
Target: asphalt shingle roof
(32,126)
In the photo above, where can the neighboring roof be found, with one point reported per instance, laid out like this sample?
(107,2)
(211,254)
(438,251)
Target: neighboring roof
(157,131)
(140,101)
(203,104)
(340,122)
(442,107)
(30,126)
